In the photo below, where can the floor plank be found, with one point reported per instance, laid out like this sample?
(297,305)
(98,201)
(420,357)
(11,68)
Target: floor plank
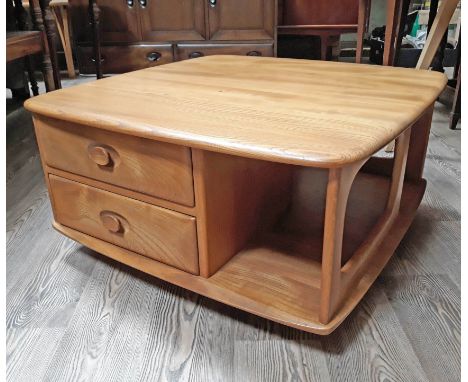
(428,307)
(372,345)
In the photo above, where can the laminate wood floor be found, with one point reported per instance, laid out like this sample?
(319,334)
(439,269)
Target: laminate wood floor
(73,315)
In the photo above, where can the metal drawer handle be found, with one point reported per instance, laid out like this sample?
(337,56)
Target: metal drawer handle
(100,155)
(102,59)
(112,222)
(130,3)
(212,3)
(142,3)
(196,54)
(254,53)
(153,56)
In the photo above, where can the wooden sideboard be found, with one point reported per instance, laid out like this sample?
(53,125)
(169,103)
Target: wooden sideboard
(136,34)
(325,18)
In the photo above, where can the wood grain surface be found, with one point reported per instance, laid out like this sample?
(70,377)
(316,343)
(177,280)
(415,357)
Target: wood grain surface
(92,319)
(125,161)
(161,234)
(312,113)
(22,43)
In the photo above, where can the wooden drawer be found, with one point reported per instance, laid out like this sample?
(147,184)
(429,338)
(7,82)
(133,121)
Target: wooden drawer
(159,233)
(124,58)
(154,168)
(185,51)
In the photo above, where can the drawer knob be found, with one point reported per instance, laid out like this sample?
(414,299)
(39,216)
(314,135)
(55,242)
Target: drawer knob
(111,222)
(195,54)
(99,155)
(254,53)
(153,56)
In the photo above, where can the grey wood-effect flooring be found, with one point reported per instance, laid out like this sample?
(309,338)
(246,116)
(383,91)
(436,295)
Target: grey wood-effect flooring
(73,315)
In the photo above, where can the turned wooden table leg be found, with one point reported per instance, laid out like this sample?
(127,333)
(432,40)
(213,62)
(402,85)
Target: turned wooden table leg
(94,14)
(49,24)
(339,185)
(46,62)
(32,78)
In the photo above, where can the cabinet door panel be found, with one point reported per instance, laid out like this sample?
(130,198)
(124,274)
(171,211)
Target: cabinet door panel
(173,20)
(241,19)
(118,21)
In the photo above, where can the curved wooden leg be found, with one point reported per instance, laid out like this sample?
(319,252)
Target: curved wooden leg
(354,267)
(339,185)
(339,281)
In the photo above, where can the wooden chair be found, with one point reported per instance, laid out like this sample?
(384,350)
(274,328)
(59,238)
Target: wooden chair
(325,19)
(437,32)
(23,44)
(60,12)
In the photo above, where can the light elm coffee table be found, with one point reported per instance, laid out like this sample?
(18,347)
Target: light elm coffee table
(248,180)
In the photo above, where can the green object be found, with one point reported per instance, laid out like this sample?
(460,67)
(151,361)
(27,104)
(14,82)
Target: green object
(415,28)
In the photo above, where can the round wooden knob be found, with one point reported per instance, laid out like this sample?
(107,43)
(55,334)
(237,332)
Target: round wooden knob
(99,155)
(112,223)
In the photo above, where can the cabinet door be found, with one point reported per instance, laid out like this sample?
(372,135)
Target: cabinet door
(241,19)
(118,21)
(172,20)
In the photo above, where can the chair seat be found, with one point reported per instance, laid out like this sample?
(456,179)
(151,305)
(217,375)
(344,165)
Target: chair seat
(58,3)
(22,43)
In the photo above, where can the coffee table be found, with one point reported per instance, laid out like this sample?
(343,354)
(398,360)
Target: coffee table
(249,180)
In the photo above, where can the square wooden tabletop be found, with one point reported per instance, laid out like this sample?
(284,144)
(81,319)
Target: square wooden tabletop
(312,113)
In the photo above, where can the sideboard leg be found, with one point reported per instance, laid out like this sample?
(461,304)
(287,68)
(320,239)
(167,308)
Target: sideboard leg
(339,185)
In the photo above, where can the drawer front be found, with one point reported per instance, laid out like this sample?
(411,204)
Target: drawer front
(186,51)
(154,168)
(124,58)
(155,232)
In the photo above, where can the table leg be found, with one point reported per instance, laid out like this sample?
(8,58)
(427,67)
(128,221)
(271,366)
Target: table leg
(46,61)
(94,14)
(339,185)
(337,280)
(358,263)
(49,25)
(32,78)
